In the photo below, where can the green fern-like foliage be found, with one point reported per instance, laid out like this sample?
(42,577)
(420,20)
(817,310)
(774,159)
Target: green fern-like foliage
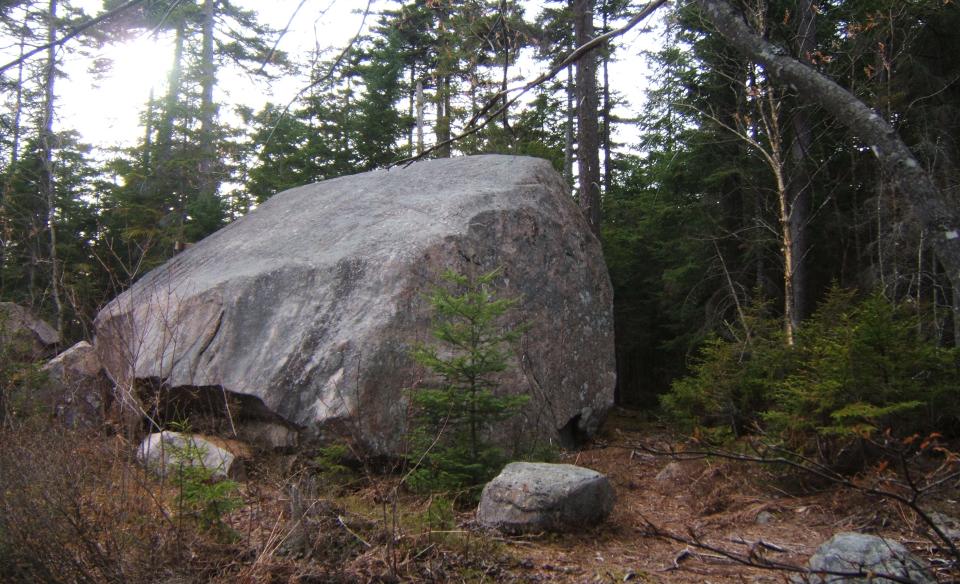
(451,444)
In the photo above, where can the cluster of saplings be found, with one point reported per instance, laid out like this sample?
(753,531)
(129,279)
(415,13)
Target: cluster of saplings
(858,368)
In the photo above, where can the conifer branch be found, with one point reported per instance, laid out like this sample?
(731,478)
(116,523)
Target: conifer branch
(489,112)
(73,33)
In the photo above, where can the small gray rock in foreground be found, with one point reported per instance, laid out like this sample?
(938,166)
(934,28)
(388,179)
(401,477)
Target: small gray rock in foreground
(857,552)
(529,497)
(164,452)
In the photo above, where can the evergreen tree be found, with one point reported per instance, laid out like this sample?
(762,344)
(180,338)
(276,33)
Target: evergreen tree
(452,442)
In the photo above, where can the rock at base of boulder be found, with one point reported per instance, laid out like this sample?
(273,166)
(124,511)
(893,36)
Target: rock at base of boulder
(25,336)
(950,526)
(272,436)
(859,553)
(77,387)
(165,452)
(531,497)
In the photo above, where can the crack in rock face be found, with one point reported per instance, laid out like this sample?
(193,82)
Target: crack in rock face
(313,301)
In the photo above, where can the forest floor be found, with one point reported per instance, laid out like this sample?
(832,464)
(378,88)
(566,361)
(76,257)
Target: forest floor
(82,503)
(374,532)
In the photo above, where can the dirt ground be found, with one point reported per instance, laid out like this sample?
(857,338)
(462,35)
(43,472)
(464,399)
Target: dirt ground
(730,506)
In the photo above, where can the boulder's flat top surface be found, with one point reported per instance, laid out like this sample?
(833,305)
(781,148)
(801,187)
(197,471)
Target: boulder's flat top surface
(381,215)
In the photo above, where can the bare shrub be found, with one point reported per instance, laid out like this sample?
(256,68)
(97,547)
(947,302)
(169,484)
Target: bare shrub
(74,509)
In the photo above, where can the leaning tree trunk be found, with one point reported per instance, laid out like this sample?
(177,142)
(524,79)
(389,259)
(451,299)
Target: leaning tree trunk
(927,203)
(588,127)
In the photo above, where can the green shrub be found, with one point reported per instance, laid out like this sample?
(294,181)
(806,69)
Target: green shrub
(331,465)
(201,496)
(863,367)
(440,514)
(732,380)
(857,367)
(450,441)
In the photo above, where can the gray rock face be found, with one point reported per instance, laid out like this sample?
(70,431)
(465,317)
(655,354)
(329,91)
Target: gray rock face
(312,302)
(78,387)
(950,526)
(857,552)
(531,497)
(26,335)
(164,452)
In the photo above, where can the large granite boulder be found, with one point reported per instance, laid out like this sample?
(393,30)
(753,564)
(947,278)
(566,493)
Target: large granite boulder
(847,554)
(312,302)
(23,335)
(530,497)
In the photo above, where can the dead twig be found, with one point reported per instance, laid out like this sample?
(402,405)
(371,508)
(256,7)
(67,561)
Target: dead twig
(344,525)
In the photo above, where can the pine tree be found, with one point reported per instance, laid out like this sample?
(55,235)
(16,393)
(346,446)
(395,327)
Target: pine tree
(451,441)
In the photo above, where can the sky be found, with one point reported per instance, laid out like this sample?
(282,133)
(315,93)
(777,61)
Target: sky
(106,110)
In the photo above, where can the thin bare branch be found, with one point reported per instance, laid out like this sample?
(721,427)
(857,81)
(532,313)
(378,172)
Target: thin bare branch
(286,28)
(333,69)
(76,31)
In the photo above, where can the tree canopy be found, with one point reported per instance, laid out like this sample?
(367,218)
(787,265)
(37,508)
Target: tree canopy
(784,147)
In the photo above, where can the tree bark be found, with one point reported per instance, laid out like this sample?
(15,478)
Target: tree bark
(208,150)
(47,180)
(505,73)
(414,95)
(568,129)
(607,106)
(443,74)
(927,204)
(443,116)
(800,187)
(18,106)
(588,130)
(419,117)
(174,80)
(148,134)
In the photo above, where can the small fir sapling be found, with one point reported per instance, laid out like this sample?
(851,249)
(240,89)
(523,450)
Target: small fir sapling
(450,441)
